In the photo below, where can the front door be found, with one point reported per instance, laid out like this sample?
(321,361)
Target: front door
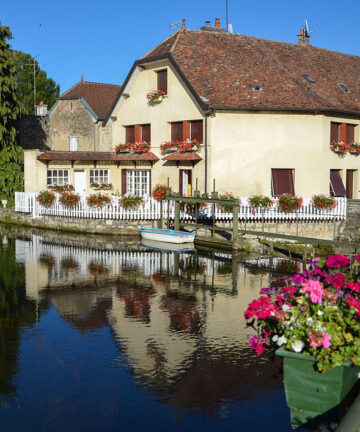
(80,181)
(185,188)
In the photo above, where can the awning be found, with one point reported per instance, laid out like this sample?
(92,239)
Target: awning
(183,156)
(96,156)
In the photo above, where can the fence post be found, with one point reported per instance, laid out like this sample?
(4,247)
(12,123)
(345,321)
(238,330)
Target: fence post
(160,221)
(177,216)
(235,221)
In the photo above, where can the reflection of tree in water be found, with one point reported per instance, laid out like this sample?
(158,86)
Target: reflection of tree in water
(15,311)
(137,300)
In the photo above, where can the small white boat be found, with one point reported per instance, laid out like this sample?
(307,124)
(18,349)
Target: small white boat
(168,247)
(166,235)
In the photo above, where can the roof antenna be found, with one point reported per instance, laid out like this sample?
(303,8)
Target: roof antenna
(175,25)
(307,28)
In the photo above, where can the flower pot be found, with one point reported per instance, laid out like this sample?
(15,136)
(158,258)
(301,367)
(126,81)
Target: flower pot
(309,390)
(355,152)
(159,99)
(171,149)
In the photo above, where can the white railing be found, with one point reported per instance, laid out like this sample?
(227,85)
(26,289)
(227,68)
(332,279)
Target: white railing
(26,202)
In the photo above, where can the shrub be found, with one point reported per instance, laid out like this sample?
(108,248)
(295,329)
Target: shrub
(159,192)
(324,202)
(229,197)
(69,199)
(289,202)
(260,201)
(130,201)
(98,200)
(46,198)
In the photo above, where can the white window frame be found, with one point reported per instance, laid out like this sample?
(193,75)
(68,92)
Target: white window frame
(73,143)
(138,182)
(58,176)
(99,175)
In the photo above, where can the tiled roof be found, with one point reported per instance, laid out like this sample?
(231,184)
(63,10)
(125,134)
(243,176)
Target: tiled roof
(224,68)
(100,97)
(183,156)
(96,156)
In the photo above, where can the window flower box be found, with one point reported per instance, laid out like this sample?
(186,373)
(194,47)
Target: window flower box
(181,146)
(354,148)
(155,96)
(136,147)
(123,148)
(339,147)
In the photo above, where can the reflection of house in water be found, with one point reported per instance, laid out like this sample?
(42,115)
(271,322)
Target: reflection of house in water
(177,319)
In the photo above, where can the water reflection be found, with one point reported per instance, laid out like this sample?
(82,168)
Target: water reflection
(172,322)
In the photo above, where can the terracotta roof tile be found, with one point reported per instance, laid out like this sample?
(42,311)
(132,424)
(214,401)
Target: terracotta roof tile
(96,156)
(224,68)
(100,97)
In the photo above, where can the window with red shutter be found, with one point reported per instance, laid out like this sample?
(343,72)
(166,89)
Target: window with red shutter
(282,181)
(129,134)
(334,132)
(350,133)
(196,130)
(336,184)
(162,80)
(176,131)
(146,133)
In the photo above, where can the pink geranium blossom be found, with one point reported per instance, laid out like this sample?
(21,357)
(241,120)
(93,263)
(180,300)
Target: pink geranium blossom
(257,344)
(325,340)
(315,289)
(336,261)
(261,308)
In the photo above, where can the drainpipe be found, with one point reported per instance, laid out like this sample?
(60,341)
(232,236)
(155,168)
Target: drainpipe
(206,115)
(94,136)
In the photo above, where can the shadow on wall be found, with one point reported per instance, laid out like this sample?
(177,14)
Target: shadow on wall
(33,132)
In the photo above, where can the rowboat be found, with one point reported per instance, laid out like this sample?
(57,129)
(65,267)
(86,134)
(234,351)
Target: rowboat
(166,235)
(167,247)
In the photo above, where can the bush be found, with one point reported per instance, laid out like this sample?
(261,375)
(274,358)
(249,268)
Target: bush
(159,192)
(98,200)
(46,198)
(69,199)
(324,202)
(289,202)
(260,201)
(130,201)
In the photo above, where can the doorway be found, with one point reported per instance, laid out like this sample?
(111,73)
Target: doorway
(80,182)
(185,182)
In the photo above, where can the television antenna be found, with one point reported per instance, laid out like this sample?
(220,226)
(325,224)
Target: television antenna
(307,28)
(175,25)
(33,64)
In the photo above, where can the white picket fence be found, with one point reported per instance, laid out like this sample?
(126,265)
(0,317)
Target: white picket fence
(26,202)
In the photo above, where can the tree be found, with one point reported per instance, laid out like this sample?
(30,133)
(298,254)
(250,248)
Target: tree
(11,155)
(47,90)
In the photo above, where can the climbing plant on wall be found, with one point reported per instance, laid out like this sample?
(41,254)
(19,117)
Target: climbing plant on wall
(11,155)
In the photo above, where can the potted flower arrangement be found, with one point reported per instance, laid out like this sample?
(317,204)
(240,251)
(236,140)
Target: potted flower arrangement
(69,199)
(155,96)
(324,202)
(97,269)
(123,148)
(61,188)
(312,320)
(354,148)
(130,201)
(188,145)
(339,147)
(190,207)
(102,186)
(260,201)
(98,200)
(289,202)
(169,146)
(140,147)
(46,198)
(160,191)
(228,197)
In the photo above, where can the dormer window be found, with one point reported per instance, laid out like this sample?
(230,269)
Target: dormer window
(162,80)
(308,78)
(344,87)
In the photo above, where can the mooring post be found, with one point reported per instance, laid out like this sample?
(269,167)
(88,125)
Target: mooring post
(177,216)
(160,221)
(235,221)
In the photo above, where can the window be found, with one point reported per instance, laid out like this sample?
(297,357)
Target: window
(308,78)
(344,87)
(136,182)
(129,134)
(196,130)
(57,177)
(282,181)
(145,133)
(336,184)
(177,131)
(162,80)
(73,143)
(99,176)
(344,132)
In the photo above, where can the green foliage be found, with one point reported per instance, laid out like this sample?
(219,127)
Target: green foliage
(46,89)
(11,156)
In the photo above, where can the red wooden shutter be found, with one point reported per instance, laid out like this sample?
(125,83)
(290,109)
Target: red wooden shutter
(350,129)
(336,183)
(349,184)
(176,131)
(196,130)
(123,181)
(282,181)
(137,133)
(129,134)
(162,80)
(181,182)
(186,130)
(342,133)
(334,132)
(146,133)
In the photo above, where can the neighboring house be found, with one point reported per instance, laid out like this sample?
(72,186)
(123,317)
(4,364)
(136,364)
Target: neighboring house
(266,112)
(75,134)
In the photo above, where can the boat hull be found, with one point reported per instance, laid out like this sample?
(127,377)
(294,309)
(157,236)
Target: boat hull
(167,236)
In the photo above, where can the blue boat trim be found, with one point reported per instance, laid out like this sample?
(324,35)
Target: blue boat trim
(166,232)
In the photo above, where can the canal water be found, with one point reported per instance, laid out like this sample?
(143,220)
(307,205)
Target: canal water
(134,339)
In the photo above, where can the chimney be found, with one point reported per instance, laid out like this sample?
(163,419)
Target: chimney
(303,37)
(41,109)
(217,22)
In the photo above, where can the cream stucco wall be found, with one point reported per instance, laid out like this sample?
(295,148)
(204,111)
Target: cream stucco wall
(245,146)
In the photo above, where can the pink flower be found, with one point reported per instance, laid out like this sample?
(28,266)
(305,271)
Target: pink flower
(336,261)
(325,340)
(261,308)
(257,344)
(338,280)
(355,286)
(314,339)
(357,258)
(315,289)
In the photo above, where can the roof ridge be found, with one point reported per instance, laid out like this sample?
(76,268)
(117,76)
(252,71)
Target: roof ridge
(178,36)
(99,83)
(167,39)
(66,91)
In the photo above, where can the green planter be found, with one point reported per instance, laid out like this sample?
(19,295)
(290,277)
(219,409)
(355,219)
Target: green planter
(309,390)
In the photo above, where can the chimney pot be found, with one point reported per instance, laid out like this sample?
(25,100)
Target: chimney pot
(217,22)
(303,37)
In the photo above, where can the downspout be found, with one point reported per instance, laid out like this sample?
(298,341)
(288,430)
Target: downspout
(206,115)
(94,136)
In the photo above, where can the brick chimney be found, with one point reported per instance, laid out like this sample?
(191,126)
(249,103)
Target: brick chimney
(217,22)
(303,37)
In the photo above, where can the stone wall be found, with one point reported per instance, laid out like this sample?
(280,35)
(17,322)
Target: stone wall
(34,132)
(351,227)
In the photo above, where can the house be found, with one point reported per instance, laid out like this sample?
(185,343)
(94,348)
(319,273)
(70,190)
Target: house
(265,111)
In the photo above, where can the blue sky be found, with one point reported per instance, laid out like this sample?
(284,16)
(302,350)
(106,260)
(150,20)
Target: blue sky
(103,38)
